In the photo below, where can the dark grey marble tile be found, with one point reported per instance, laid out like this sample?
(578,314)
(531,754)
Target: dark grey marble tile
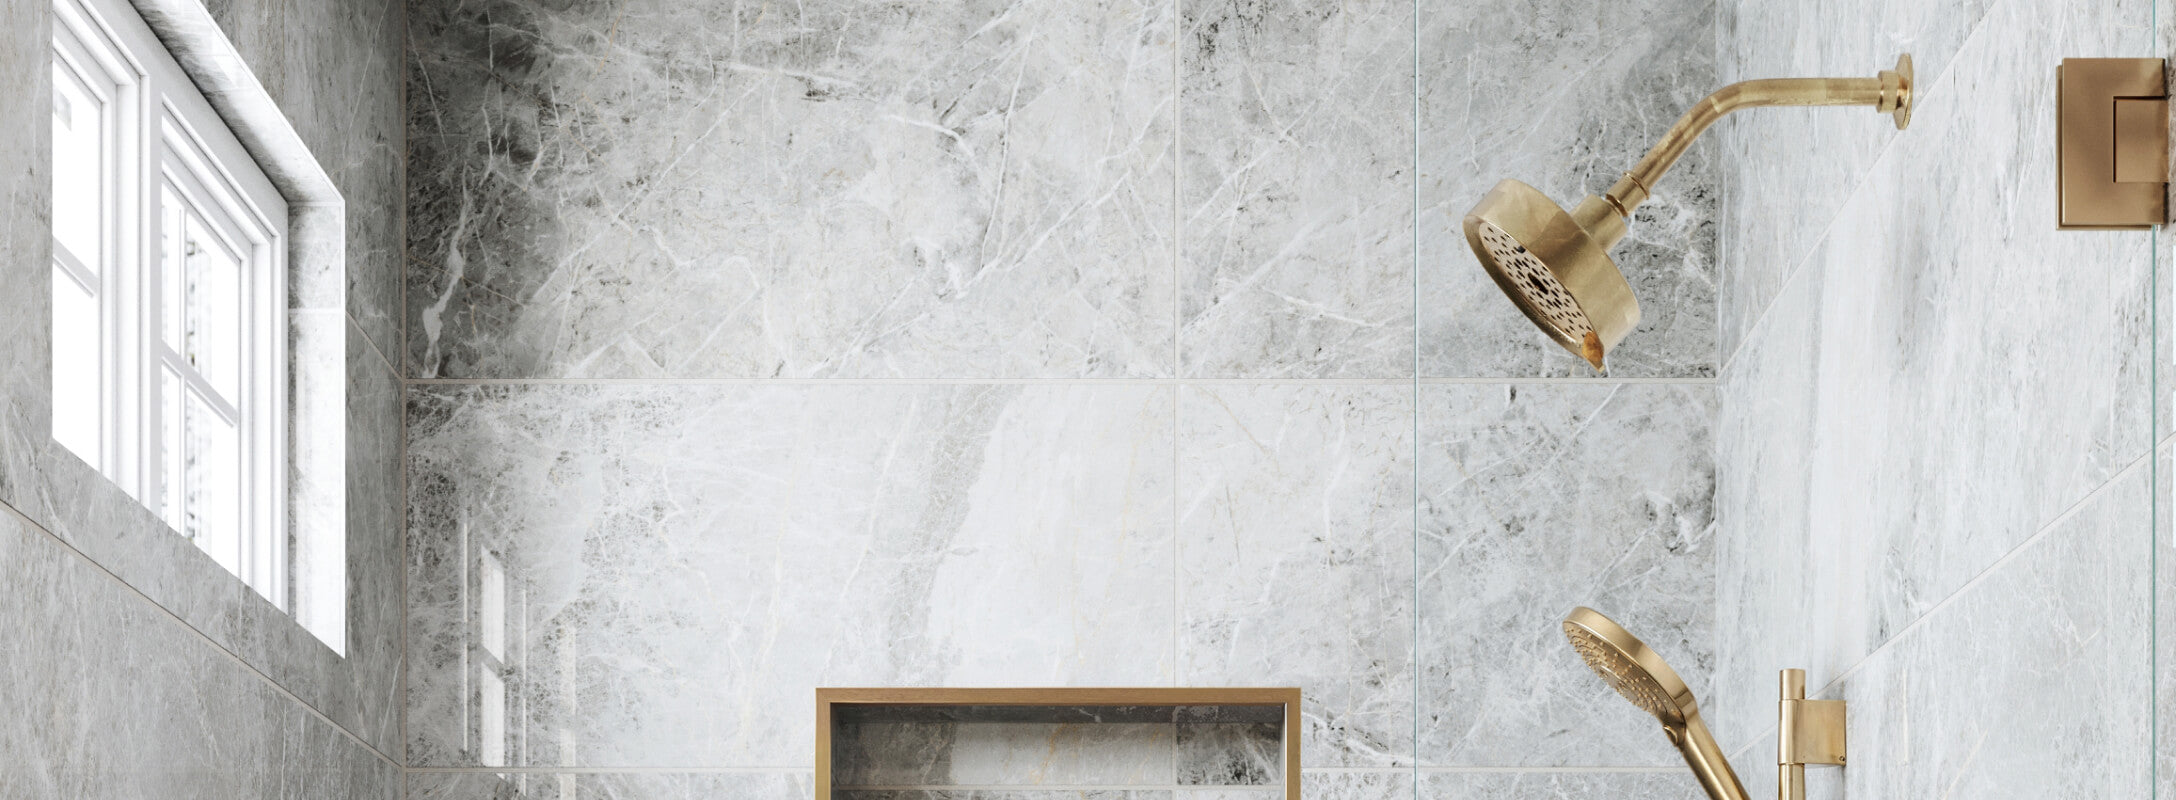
(1538,498)
(669,189)
(1295,557)
(1564,95)
(681,562)
(1297,195)
(1216,753)
(109,696)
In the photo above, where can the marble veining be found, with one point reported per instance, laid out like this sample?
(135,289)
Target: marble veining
(1297,195)
(1560,786)
(1565,95)
(1924,395)
(679,563)
(1538,498)
(608,786)
(1295,557)
(846,189)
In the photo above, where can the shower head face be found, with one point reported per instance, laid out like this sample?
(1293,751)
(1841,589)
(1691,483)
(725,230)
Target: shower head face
(1628,666)
(1553,269)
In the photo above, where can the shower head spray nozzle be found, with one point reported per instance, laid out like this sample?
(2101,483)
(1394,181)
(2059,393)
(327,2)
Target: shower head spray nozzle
(1555,265)
(1638,673)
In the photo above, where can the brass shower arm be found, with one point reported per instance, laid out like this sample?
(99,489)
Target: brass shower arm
(1890,92)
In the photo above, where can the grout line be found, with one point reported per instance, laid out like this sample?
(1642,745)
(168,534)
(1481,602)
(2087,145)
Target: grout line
(161,610)
(1488,381)
(1413,252)
(1923,619)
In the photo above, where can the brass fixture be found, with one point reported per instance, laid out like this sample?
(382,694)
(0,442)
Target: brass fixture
(830,700)
(1807,731)
(2111,138)
(1638,673)
(1556,266)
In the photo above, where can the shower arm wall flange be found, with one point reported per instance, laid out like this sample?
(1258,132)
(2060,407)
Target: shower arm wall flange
(1604,216)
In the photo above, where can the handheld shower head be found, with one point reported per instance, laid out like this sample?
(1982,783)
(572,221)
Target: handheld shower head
(1641,676)
(1555,265)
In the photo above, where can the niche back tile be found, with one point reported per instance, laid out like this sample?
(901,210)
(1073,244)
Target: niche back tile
(830,189)
(1565,95)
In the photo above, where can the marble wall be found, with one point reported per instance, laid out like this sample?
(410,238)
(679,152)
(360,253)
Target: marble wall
(759,348)
(138,665)
(1936,439)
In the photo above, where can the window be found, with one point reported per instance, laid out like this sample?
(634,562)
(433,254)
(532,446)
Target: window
(169,295)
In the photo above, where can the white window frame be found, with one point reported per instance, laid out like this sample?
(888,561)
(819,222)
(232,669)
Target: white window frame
(165,139)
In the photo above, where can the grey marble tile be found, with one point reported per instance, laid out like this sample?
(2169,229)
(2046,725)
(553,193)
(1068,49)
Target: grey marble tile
(1006,794)
(679,563)
(1559,786)
(1565,95)
(1230,794)
(607,786)
(111,697)
(1355,785)
(1923,396)
(1297,196)
(836,189)
(1789,172)
(2028,683)
(1538,498)
(2164,620)
(1295,557)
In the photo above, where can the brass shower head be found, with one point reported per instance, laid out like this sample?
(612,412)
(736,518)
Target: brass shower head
(1555,265)
(1641,676)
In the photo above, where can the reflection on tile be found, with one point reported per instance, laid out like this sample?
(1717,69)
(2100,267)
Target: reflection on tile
(1672,785)
(1536,499)
(607,786)
(1787,172)
(2031,682)
(110,697)
(1924,396)
(676,564)
(1295,557)
(701,190)
(1297,199)
(1564,95)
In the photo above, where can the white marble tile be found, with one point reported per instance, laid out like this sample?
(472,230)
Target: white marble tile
(1545,785)
(1564,95)
(1939,394)
(1788,172)
(109,696)
(685,564)
(1355,785)
(2032,682)
(607,786)
(1538,498)
(1297,197)
(1295,557)
(2164,618)
(909,190)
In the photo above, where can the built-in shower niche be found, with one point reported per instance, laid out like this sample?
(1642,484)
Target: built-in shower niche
(1019,751)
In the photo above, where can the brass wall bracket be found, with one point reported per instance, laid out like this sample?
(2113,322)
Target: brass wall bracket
(2111,143)
(1807,732)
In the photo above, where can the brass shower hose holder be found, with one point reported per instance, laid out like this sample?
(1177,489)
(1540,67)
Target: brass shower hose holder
(1807,732)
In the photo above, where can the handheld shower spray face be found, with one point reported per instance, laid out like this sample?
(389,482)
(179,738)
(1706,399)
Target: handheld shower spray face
(1641,676)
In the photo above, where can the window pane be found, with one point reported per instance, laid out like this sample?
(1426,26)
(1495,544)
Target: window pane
(75,367)
(202,302)
(203,477)
(78,167)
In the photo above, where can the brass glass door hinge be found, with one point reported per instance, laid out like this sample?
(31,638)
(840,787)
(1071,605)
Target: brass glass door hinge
(2111,138)
(1807,732)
